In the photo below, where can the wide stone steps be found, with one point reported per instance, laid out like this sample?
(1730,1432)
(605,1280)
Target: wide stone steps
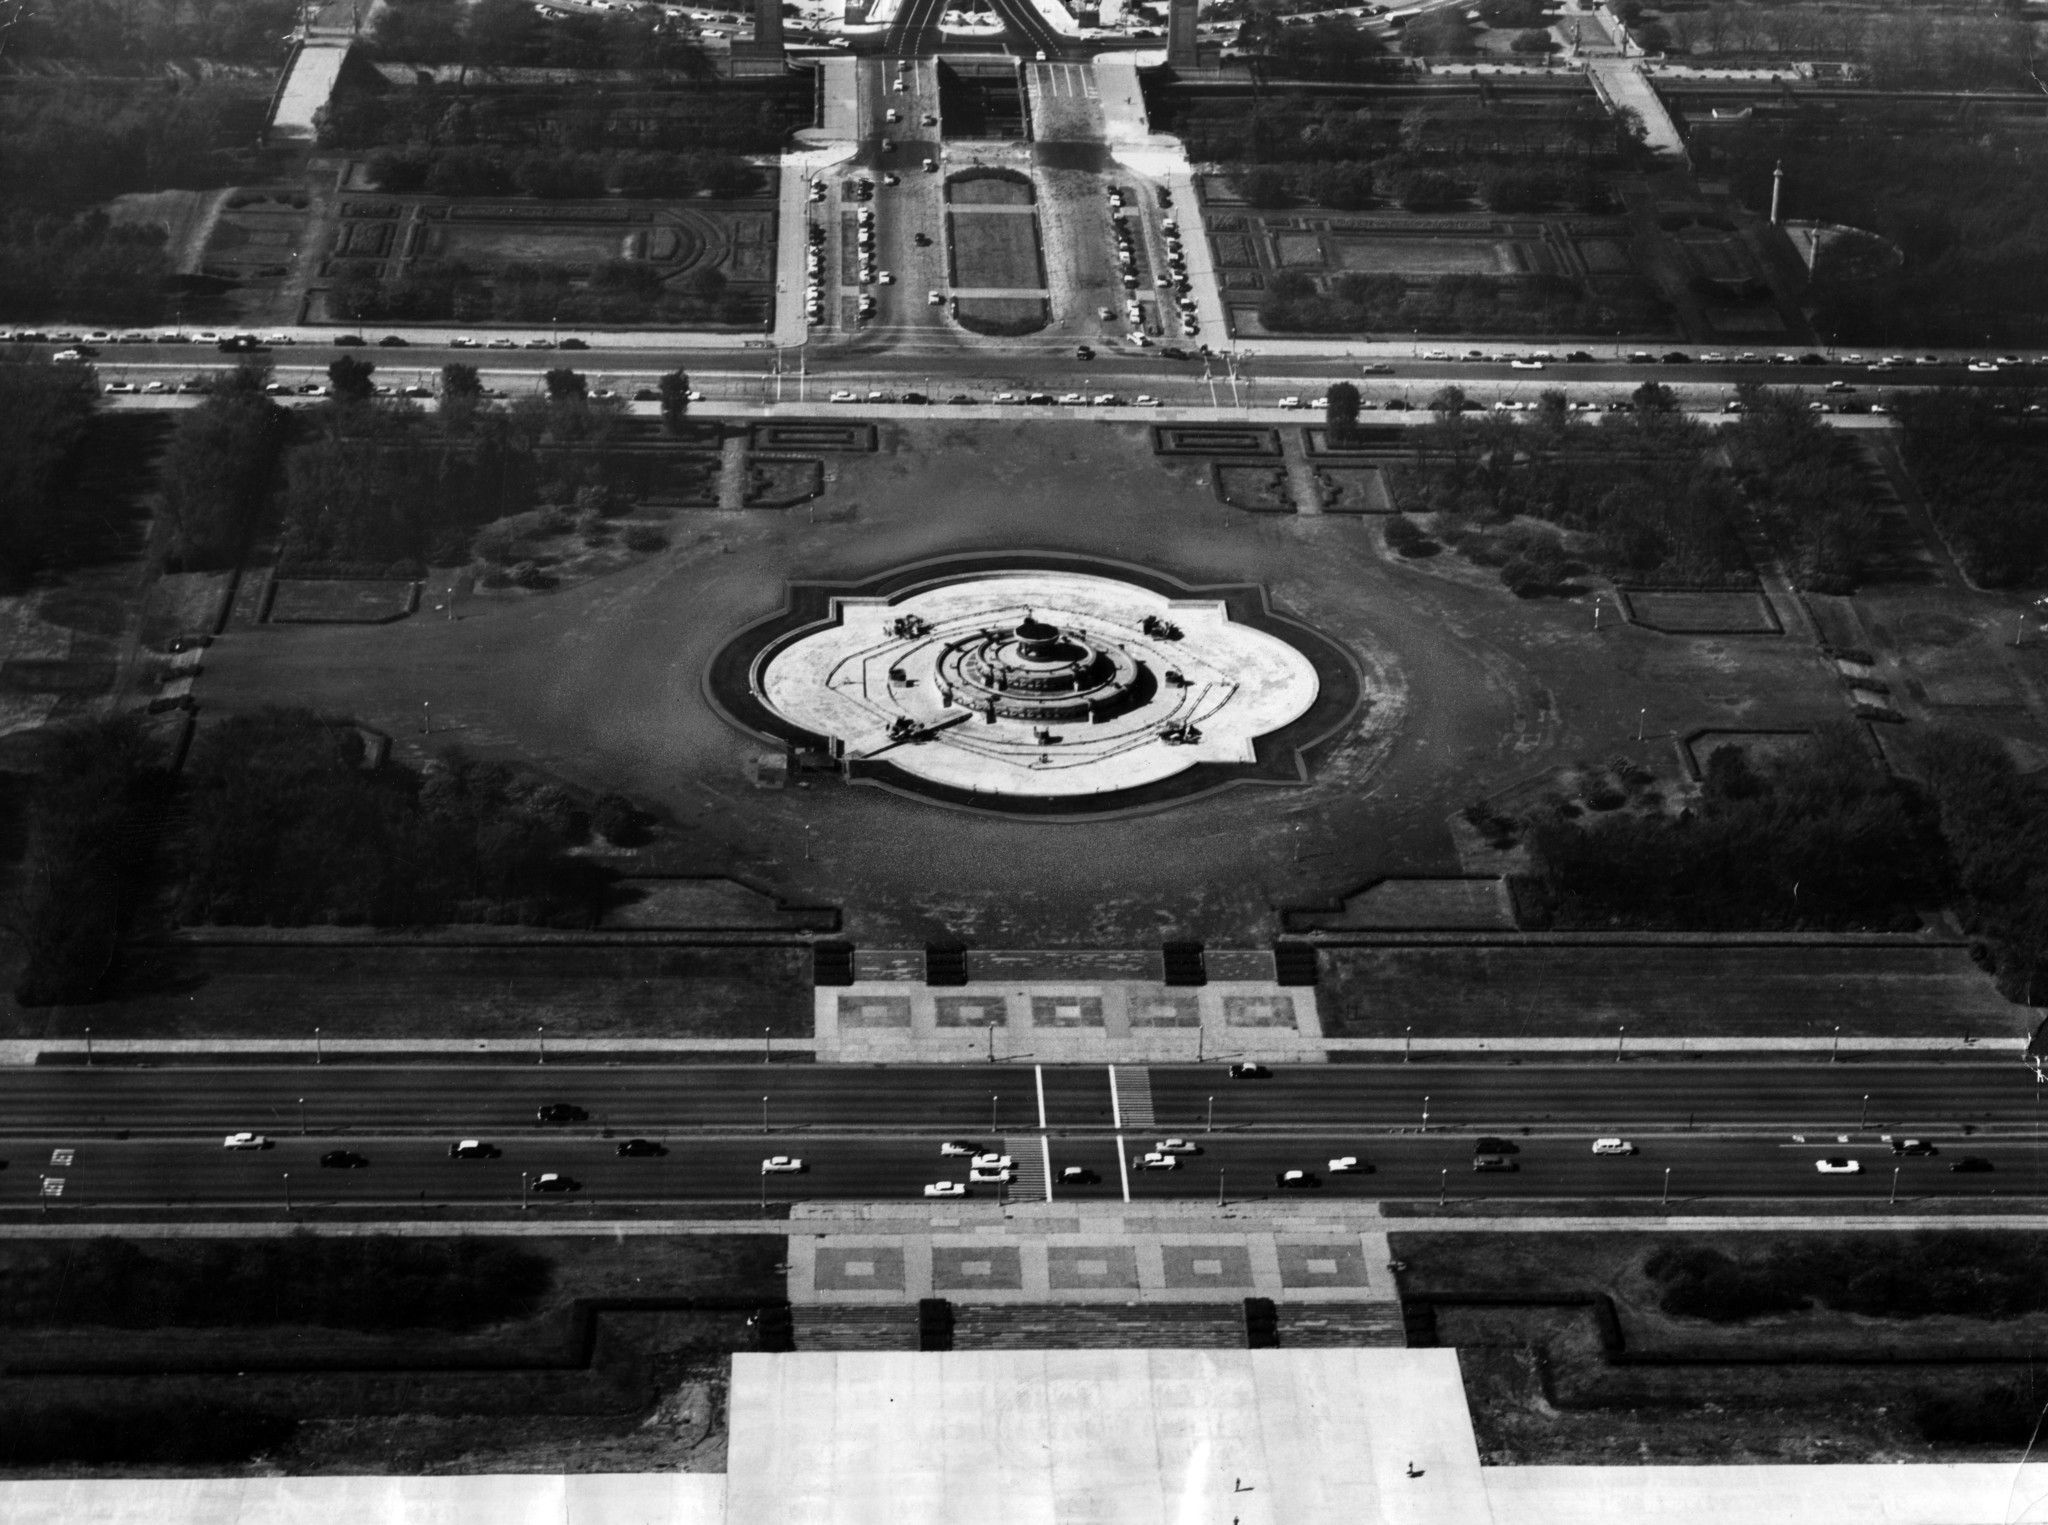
(1043,1326)
(885,1327)
(1306,1325)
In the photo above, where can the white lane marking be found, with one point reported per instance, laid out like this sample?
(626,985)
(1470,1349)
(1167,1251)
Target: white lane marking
(1116,1112)
(1044,1141)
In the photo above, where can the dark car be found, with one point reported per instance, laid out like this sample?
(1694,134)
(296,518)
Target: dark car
(1395,405)
(394,341)
(575,344)
(347,341)
(1971,1164)
(1580,357)
(1912,1146)
(1174,352)
(1251,1069)
(640,1149)
(1296,1180)
(1495,1146)
(1493,1162)
(916,397)
(1083,352)
(962,400)
(552,1180)
(1078,1175)
(922,240)
(1040,399)
(473,1149)
(1810,358)
(646,394)
(562,1112)
(343,1159)
(1678,357)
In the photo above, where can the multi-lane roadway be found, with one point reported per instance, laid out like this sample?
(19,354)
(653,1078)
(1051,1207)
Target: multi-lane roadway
(126,1136)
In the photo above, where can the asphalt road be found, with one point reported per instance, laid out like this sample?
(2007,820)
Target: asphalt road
(153,1136)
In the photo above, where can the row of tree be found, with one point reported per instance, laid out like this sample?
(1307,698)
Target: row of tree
(1800,475)
(219,469)
(613,292)
(1352,186)
(149,32)
(1537,304)
(1981,472)
(563,174)
(491,34)
(45,411)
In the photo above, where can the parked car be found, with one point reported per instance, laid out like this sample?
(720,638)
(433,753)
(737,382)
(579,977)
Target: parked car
(1154,1160)
(245,1141)
(945,1189)
(1912,1146)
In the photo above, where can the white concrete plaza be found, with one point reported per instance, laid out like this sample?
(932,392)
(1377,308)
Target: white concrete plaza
(1205,692)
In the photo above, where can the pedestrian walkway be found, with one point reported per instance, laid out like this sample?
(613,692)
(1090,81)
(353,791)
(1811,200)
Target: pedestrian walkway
(1622,86)
(1131,1256)
(1066,1022)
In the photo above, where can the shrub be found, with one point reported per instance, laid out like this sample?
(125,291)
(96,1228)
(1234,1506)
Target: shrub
(619,821)
(645,538)
(147,1432)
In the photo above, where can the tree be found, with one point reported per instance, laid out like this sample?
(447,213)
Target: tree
(564,383)
(1654,397)
(460,381)
(1340,411)
(1265,186)
(675,400)
(1448,401)
(349,378)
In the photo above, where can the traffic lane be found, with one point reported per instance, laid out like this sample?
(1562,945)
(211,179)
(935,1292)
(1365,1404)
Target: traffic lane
(1410,1167)
(410,1170)
(1077,1096)
(340,1099)
(1597,1095)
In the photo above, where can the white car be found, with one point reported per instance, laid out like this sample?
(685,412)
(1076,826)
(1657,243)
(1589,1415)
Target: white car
(1344,1164)
(1144,400)
(782,1165)
(157,388)
(1177,1146)
(1983,367)
(1525,365)
(1613,1146)
(121,386)
(993,1162)
(1073,400)
(989,1177)
(945,1189)
(1154,1160)
(245,1141)
(935,298)
(885,278)
(1291,401)
(855,397)
(1837,1166)
(1007,397)
(953,1147)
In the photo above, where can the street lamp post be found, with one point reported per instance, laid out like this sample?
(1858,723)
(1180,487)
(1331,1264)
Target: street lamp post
(1210,1127)
(1425,1114)
(1667,1185)
(302,1117)
(764,1116)
(287,1191)
(1835,1049)
(1894,1200)
(992,1101)
(1443,1186)
(318,1057)
(767,1043)
(1407,1043)
(1620,1037)
(1220,1174)
(88,1045)
(991,1040)
(541,1030)
(523,1180)
(1863,1119)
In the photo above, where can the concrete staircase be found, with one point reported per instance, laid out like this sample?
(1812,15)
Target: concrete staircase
(1028,1182)
(885,1327)
(1134,1096)
(1099,1326)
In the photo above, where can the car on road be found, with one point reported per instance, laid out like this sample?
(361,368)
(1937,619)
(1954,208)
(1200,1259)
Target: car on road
(1835,1165)
(1678,357)
(554,1180)
(1296,1180)
(1377,368)
(1073,400)
(959,1147)
(1007,397)
(1349,1165)
(1493,1163)
(1078,1175)
(844,396)
(1911,1146)
(1490,1145)
(1107,400)
(121,386)
(640,1149)
(962,400)
(1084,352)
(72,354)
(473,1149)
(935,298)
(561,1112)
(1613,1146)
(463,341)
(782,1165)
(245,1141)
(343,1159)
(1177,1146)
(1154,1160)
(987,1161)
(989,1177)
(1250,1069)
(1144,400)
(945,1189)
(394,341)
(1581,357)
(575,344)
(1525,365)
(1971,1164)
(502,343)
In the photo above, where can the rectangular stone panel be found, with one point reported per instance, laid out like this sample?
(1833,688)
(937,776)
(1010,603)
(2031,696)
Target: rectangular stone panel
(1166,1011)
(1227,1267)
(1337,1264)
(874,1011)
(1258,1010)
(1066,1011)
(1081,1267)
(976,1268)
(862,1268)
(971,1011)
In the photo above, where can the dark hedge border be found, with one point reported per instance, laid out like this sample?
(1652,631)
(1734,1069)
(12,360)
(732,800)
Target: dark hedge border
(1281,757)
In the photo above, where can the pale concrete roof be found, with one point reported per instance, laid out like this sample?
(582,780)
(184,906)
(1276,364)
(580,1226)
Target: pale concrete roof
(1073,1437)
